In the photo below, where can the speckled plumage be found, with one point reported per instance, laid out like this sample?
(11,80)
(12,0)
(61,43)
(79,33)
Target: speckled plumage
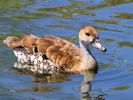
(35,63)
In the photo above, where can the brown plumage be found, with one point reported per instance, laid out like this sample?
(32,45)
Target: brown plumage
(26,41)
(62,53)
(12,41)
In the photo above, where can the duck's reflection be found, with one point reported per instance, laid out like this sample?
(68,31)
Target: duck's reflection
(86,83)
(85,88)
(56,77)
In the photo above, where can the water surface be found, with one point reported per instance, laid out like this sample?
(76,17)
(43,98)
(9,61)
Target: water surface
(112,18)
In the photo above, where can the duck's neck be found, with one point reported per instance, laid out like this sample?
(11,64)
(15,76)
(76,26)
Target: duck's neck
(88,61)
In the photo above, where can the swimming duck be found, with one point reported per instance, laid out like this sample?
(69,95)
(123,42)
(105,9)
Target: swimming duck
(51,52)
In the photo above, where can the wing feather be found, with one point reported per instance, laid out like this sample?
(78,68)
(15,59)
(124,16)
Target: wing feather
(63,53)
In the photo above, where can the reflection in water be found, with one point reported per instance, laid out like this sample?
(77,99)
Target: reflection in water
(15,4)
(124,15)
(39,89)
(125,43)
(86,87)
(56,77)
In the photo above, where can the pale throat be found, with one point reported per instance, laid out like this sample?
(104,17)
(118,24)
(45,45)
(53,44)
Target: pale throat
(88,61)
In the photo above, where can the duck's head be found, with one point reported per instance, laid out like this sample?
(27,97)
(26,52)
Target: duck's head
(88,35)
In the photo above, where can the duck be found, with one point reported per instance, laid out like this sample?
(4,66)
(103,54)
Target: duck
(55,53)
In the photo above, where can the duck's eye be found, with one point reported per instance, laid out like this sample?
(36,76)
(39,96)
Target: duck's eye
(88,34)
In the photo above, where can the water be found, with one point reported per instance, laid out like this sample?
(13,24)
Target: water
(112,18)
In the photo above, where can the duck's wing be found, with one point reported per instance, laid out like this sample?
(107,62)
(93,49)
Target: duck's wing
(28,40)
(62,52)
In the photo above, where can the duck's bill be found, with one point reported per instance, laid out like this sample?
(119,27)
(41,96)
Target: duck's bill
(97,44)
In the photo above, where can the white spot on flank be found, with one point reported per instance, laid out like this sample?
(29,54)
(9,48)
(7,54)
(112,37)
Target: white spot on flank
(41,66)
(32,57)
(45,67)
(40,58)
(35,61)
